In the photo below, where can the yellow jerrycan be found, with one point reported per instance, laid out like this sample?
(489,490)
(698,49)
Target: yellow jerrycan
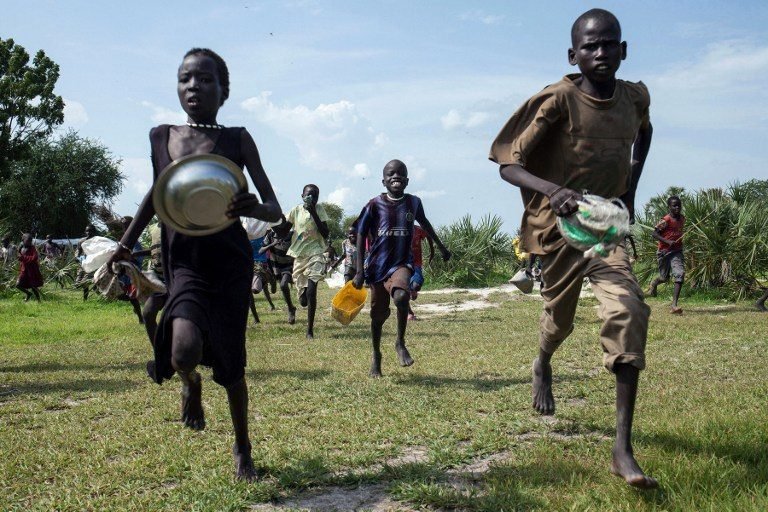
(347,303)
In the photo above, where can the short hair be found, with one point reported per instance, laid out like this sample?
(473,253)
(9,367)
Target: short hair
(593,14)
(395,163)
(672,198)
(312,186)
(221,67)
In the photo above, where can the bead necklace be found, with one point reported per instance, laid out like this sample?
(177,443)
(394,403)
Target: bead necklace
(203,125)
(395,198)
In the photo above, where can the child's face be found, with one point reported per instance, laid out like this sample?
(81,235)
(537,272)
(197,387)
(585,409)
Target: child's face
(675,207)
(26,241)
(598,49)
(352,236)
(89,231)
(310,192)
(395,179)
(199,89)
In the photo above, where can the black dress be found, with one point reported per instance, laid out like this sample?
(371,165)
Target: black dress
(208,279)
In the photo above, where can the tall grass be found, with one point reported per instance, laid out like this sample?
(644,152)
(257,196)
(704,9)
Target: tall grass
(482,253)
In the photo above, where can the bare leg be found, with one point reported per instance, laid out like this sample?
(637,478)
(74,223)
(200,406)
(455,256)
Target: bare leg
(36,294)
(187,351)
(86,289)
(153,305)
(137,309)
(402,301)
(761,301)
(238,408)
(654,285)
(26,293)
(543,401)
(376,326)
(624,463)
(252,305)
(285,287)
(268,297)
(675,297)
(311,308)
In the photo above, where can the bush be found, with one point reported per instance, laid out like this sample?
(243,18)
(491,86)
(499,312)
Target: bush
(725,238)
(482,254)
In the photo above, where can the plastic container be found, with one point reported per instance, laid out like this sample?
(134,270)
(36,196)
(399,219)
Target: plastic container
(347,303)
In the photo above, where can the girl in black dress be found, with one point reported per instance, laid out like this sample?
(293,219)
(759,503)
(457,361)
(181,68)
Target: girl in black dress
(208,277)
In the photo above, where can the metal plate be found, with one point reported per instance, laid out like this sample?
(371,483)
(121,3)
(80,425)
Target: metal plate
(192,193)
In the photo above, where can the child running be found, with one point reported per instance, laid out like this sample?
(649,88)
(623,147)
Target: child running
(592,132)
(669,235)
(388,220)
(208,277)
(276,245)
(30,278)
(310,229)
(417,279)
(349,255)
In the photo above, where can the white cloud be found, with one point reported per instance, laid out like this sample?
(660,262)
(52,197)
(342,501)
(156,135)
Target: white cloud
(329,137)
(163,115)
(75,114)
(429,194)
(482,17)
(340,196)
(416,171)
(453,119)
(362,170)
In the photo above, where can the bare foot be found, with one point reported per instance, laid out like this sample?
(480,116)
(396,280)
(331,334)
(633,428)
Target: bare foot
(292,316)
(676,310)
(543,401)
(310,336)
(403,355)
(625,466)
(375,366)
(761,306)
(191,404)
(244,469)
(651,292)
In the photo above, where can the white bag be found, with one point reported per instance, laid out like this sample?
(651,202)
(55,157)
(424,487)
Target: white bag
(98,250)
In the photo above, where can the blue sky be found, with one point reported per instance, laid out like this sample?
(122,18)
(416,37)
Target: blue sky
(331,91)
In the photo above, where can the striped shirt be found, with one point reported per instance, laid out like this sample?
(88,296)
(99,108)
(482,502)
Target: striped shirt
(389,225)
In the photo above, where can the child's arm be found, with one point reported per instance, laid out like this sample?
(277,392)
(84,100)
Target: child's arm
(322,227)
(639,153)
(140,221)
(246,204)
(265,248)
(656,234)
(142,253)
(431,245)
(561,199)
(357,281)
(425,224)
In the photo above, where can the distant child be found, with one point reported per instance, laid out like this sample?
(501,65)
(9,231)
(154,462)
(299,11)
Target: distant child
(137,258)
(83,279)
(388,220)
(417,279)
(669,234)
(51,250)
(349,255)
(262,276)
(591,132)
(7,251)
(208,277)
(30,277)
(310,229)
(760,304)
(276,245)
(156,301)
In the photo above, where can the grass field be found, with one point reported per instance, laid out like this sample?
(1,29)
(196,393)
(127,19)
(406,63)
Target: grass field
(83,428)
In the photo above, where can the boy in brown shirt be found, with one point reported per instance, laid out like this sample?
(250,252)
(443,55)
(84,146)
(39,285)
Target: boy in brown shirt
(591,132)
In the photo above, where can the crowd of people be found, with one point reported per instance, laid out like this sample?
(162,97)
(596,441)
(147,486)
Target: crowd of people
(589,131)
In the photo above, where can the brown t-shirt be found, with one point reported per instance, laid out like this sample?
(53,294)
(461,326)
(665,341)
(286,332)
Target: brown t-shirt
(573,140)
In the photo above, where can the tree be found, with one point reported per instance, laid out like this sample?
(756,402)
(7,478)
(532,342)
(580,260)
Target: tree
(335,214)
(55,189)
(29,109)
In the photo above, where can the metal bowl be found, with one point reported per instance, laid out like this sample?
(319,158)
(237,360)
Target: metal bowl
(192,193)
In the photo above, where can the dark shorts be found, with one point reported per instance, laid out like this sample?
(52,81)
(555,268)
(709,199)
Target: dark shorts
(671,263)
(381,292)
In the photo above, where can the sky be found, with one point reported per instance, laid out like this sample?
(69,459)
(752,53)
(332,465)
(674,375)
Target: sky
(331,91)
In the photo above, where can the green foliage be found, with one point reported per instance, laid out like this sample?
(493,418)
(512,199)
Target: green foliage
(29,109)
(725,239)
(482,253)
(55,189)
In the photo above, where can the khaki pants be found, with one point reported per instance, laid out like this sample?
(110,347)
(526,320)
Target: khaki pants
(622,309)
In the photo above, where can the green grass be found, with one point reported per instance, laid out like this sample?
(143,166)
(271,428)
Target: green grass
(82,428)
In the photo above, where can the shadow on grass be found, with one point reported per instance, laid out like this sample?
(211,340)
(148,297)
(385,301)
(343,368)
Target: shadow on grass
(737,449)
(53,366)
(296,374)
(480,382)
(80,385)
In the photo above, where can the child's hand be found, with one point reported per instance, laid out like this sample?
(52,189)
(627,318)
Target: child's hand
(563,201)
(244,204)
(357,281)
(446,254)
(121,254)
